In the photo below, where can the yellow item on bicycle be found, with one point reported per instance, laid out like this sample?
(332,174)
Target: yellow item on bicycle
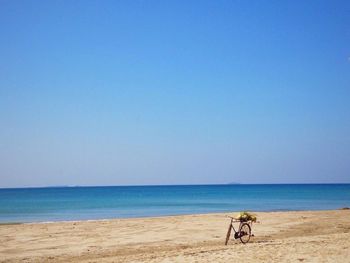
(246,216)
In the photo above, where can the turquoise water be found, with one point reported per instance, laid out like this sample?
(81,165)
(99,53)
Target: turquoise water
(77,203)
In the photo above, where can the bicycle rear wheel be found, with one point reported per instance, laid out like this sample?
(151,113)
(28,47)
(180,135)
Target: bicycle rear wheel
(244,233)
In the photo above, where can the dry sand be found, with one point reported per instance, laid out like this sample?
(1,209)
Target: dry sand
(313,236)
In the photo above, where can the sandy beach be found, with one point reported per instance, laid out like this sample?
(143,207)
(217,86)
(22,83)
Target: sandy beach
(308,236)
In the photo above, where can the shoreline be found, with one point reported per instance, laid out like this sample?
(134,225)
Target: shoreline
(164,216)
(313,236)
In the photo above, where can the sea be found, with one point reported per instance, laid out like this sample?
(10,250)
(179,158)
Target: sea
(25,205)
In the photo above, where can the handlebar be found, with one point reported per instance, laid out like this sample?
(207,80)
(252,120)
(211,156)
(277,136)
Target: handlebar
(237,220)
(232,218)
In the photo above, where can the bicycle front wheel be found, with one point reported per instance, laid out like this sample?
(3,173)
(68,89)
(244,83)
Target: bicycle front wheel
(245,233)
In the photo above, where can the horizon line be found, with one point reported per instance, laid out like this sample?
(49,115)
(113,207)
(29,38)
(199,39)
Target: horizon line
(150,185)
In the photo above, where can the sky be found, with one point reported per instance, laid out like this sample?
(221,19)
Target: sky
(174,92)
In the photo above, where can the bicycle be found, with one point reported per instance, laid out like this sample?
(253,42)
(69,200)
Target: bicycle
(244,230)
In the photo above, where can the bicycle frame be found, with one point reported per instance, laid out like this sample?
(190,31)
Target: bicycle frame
(233,220)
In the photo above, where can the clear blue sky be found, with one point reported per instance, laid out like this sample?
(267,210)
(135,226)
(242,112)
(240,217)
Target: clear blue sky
(174,92)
